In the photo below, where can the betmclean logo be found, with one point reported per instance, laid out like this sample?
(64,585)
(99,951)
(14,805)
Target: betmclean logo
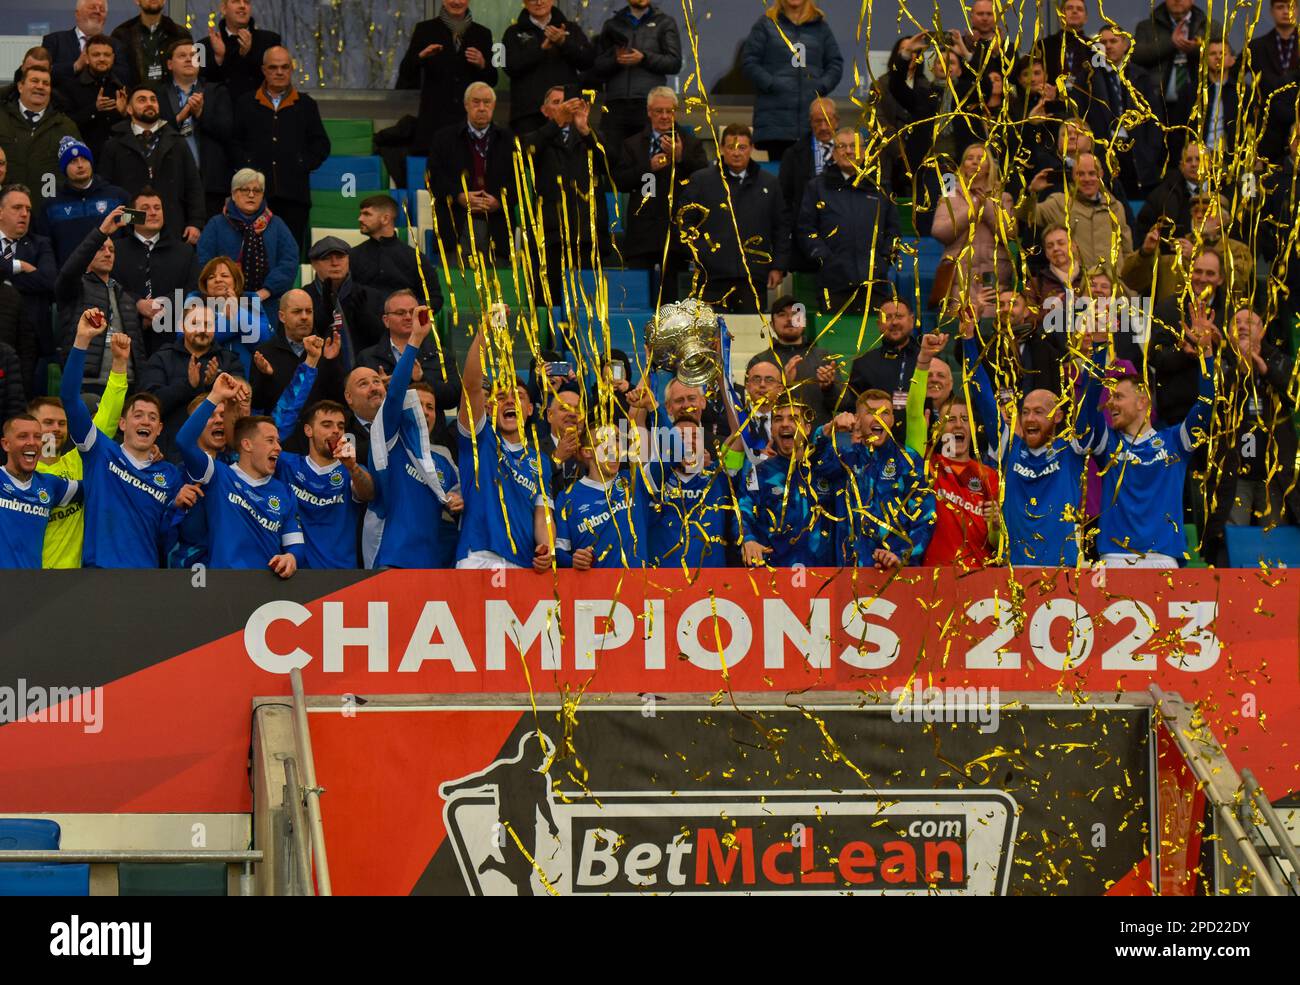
(707,842)
(101,939)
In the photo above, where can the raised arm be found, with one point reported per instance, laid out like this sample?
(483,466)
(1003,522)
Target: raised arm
(472,399)
(980,388)
(93,323)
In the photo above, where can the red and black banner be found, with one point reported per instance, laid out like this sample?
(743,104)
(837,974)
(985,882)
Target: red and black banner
(180,661)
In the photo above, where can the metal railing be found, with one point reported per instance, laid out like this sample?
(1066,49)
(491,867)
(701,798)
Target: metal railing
(107,856)
(1221,786)
(1271,825)
(308,794)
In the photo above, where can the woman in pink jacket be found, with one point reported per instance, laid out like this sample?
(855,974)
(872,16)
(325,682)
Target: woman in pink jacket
(974,220)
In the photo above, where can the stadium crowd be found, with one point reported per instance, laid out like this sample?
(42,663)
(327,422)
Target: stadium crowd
(1109,343)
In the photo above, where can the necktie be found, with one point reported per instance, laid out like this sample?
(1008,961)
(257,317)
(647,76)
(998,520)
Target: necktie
(150,140)
(32,116)
(6,249)
(148,270)
(827,152)
(1115,93)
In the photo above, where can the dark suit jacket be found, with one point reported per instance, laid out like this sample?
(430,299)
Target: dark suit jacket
(648,222)
(65,49)
(358,306)
(443,77)
(441,373)
(239,73)
(569,164)
(1276,112)
(170,170)
(36,333)
(172,273)
(214,129)
(450,156)
(1140,165)
(80,93)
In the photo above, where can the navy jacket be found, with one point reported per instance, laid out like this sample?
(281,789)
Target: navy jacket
(760,214)
(65,49)
(74,212)
(841,225)
(783,89)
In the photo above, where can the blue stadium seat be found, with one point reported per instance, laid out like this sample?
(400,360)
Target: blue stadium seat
(626,332)
(33,878)
(367,172)
(1136,205)
(415,168)
(1249,546)
(22,834)
(629,290)
(771,167)
(615,207)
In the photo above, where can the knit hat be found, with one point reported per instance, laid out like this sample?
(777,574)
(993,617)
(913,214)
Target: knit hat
(70,148)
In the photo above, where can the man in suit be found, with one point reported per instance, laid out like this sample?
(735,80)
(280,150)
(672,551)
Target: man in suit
(1168,45)
(1067,53)
(91,96)
(31,130)
(1274,58)
(278,358)
(202,114)
(146,38)
(1218,123)
(433,363)
(145,150)
(805,161)
(653,167)
(158,269)
(566,160)
(234,50)
(278,131)
(737,196)
(471,173)
(1119,87)
(27,263)
(68,48)
(1172,198)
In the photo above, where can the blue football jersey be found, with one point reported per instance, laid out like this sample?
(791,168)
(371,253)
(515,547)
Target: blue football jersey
(24,511)
(692,518)
(611,518)
(126,500)
(502,485)
(326,510)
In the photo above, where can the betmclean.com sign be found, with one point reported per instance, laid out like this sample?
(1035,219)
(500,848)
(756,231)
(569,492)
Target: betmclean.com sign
(180,658)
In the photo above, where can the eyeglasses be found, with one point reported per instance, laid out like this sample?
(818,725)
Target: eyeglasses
(401,312)
(250,190)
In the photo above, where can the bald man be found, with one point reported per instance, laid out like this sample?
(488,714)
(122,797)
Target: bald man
(278,131)
(276,361)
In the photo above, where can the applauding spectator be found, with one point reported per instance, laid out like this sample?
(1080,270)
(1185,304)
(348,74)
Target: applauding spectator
(234,49)
(202,114)
(544,49)
(92,95)
(446,55)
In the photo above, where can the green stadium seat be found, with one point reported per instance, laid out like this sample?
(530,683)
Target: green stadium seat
(1193,546)
(842,338)
(906,224)
(351,136)
(171,879)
